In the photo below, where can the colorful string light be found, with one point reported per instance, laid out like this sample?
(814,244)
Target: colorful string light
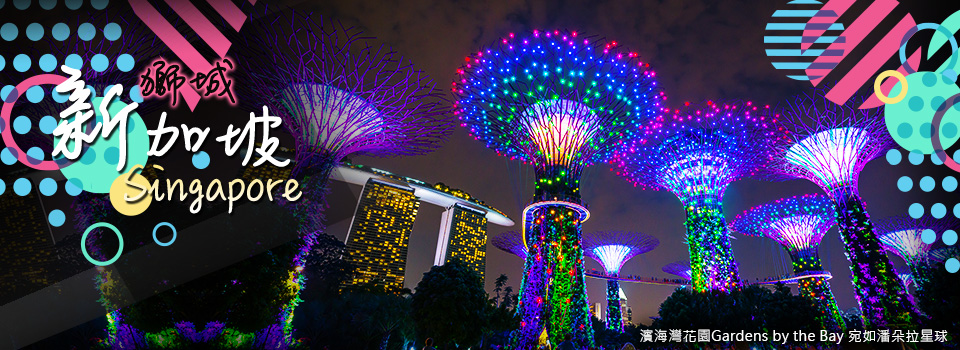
(695,152)
(829,145)
(798,224)
(559,101)
(612,249)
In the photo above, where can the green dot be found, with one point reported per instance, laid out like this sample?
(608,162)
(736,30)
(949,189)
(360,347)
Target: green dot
(930,79)
(916,103)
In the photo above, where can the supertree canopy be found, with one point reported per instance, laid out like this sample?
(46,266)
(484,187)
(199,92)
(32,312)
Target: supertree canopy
(680,269)
(829,145)
(612,249)
(901,235)
(337,94)
(559,101)
(510,242)
(695,152)
(799,224)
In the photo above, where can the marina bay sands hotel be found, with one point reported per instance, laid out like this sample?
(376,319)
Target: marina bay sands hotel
(382,223)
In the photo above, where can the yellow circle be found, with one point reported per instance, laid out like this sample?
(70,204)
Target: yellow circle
(121,191)
(887,74)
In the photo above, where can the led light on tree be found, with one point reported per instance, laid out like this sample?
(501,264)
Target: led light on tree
(612,249)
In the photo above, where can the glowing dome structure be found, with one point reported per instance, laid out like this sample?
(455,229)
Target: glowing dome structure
(338,94)
(901,235)
(612,249)
(695,152)
(829,145)
(798,224)
(559,101)
(510,242)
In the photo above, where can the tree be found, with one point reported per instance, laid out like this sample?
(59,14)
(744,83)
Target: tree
(449,305)
(941,302)
(358,320)
(325,269)
(502,317)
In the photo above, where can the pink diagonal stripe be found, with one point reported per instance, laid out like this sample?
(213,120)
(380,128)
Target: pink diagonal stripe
(200,24)
(859,29)
(871,62)
(888,84)
(230,12)
(837,6)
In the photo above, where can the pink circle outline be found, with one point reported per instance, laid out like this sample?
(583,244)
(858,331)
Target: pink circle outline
(7,109)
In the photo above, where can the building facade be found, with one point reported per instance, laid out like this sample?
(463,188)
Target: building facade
(463,236)
(26,245)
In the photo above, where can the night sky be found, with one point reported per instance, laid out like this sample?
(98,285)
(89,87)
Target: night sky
(699,49)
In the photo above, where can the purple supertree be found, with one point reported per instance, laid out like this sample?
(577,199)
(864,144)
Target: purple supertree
(612,249)
(559,101)
(695,152)
(511,242)
(338,94)
(901,235)
(798,224)
(680,269)
(907,279)
(829,145)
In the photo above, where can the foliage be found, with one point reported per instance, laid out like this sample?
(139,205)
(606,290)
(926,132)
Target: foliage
(325,269)
(941,302)
(357,320)
(449,305)
(501,313)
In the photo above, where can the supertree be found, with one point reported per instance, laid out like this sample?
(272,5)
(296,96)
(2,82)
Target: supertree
(907,279)
(338,94)
(510,242)
(799,224)
(901,235)
(829,145)
(559,101)
(695,152)
(612,249)
(680,269)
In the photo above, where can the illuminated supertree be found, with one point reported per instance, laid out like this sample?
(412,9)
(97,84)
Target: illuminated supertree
(901,234)
(798,224)
(680,269)
(612,249)
(559,101)
(510,242)
(829,145)
(695,152)
(907,279)
(337,94)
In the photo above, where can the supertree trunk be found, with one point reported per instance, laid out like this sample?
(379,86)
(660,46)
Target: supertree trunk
(817,289)
(883,300)
(614,316)
(711,255)
(554,288)
(921,271)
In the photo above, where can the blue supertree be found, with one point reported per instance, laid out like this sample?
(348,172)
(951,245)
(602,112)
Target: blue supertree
(612,249)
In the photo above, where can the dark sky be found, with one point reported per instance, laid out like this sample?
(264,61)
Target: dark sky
(699,49)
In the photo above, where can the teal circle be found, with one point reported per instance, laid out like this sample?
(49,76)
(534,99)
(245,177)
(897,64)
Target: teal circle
(35,94)
(167,224)
(48,4)
(73,61)
(89,156)
(22,125)
(936,158)
(60,31)
(73,4)
(47,63)
(99,4)
(894,157)
(905,183)
(915,210)
(952,265)
(47,124)
(928,236)
(34,31)
(125,62)
(98,176)
(956,210)
(86,31)
(83,243)
(927,184)
(56,218)
(904,130)
(112,31)
(949,183)
(914,111)
(949,237)
(9,32)
(135,94)
(3,187)
(48,187)
(73,187)
(6,90)
(915,157)
(58,97)
(21,187)
(201,160)
(938,210)
(34,155)
(21,4)
(8,156)
(21,63)
(99,62)
(3,62)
